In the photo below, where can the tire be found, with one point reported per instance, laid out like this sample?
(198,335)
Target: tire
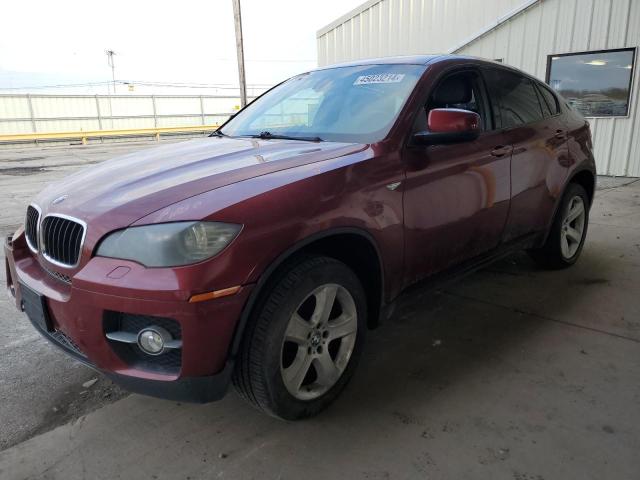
(277,347)
(566,237)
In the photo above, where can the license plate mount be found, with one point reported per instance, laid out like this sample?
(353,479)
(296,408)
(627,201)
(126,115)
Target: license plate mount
(35,306)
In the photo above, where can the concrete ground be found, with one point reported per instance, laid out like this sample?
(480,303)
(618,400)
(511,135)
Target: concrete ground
(30,367)
(512,373)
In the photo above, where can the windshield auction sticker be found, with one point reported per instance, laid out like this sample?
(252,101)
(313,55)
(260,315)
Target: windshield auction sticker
(379,78)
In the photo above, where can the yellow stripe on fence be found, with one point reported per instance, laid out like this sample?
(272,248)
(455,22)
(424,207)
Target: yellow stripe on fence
(83,136)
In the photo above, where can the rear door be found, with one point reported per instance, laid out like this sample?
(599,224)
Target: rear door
(456,196)
(538,136)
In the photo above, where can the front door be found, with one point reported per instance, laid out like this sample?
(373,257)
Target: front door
(456,198)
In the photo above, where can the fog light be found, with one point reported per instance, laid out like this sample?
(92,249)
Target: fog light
(153,340)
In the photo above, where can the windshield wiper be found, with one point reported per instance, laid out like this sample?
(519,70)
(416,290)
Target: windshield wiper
(218,133)
(273,136)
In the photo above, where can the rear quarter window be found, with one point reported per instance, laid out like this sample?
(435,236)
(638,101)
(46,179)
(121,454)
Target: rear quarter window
(550,99)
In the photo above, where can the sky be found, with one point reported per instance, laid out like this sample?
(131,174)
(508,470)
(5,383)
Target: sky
(62,42)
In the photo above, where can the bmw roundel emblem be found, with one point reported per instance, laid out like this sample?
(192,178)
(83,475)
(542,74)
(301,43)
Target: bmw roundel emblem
(59,199)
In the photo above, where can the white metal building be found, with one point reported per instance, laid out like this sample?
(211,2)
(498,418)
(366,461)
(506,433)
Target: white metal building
(586,49)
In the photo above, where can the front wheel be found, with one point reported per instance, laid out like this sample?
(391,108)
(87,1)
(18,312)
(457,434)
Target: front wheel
(568,231)
(303,342)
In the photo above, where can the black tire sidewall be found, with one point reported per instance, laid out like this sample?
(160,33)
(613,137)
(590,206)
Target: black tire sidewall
(281,402)
(572,191)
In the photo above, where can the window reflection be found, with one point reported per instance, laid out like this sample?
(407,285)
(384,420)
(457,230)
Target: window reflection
(596,84)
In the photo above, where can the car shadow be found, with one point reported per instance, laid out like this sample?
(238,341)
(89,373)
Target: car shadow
(437,340)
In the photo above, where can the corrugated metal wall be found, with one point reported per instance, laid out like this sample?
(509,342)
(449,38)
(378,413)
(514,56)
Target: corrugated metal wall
(74,113)
(405,27)
(395,27)
(562,26)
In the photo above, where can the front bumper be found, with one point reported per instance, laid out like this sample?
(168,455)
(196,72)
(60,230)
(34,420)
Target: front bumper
(77,311)
(188,389)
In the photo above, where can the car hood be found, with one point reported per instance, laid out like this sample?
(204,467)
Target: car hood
(118,192)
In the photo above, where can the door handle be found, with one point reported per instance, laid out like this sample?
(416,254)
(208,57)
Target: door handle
(561,134)
(500,151)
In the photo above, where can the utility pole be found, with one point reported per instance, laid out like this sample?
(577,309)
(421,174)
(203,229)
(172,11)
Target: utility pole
(110,54)
(237,17)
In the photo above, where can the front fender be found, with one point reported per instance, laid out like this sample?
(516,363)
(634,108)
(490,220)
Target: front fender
(283,209)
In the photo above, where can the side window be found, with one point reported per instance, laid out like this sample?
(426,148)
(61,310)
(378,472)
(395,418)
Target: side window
(516,96)
(550,99)
(543,103)
(460,90)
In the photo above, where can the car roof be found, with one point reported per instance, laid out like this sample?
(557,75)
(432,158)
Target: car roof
(397,60)
(414,60)
(424,60)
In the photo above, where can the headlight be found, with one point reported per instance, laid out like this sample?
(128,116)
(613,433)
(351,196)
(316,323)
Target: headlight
(169,244)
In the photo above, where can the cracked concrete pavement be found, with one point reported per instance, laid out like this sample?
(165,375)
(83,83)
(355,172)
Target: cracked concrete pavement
(513,373)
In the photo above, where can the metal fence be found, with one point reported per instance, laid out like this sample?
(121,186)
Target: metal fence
(24,114)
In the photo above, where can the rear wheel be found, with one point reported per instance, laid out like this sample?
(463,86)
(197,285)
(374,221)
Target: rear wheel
(304,340)
(568,231)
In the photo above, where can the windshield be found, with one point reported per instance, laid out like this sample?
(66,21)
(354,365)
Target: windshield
(344,104)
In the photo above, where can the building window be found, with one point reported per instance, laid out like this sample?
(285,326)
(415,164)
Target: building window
(597,84)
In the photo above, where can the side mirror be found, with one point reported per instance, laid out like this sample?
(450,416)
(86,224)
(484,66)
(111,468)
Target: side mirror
(449,125)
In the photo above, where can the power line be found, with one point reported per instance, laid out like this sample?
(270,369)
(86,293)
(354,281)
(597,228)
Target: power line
(91,84)
(221,86)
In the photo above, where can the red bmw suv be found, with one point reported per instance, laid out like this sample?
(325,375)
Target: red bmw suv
(260,255)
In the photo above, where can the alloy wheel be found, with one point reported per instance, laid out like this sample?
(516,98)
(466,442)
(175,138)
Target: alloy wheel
(572,228)
(318,341)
